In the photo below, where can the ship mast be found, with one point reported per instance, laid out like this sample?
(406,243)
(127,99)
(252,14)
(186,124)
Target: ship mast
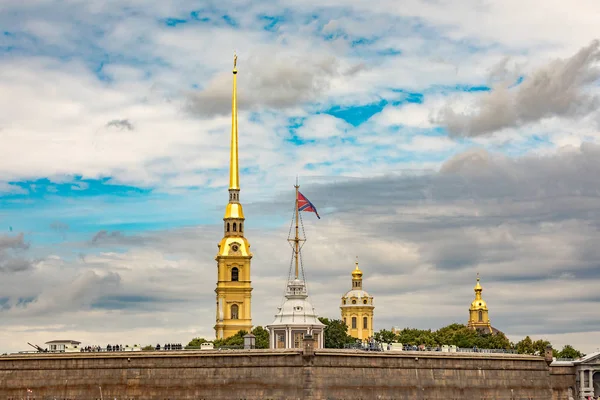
(296,240)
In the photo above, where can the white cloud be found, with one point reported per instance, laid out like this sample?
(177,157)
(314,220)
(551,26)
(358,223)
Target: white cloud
(558,89)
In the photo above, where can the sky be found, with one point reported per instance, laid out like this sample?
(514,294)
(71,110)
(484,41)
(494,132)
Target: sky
(438,139)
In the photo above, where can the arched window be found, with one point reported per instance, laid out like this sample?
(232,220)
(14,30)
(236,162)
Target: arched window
(234,227)
(234,274)
(353,322)
(365,323)
(344,301)
(353,301)
(480,316)
(241,227)
(228,227)
(234,311)
(365,301)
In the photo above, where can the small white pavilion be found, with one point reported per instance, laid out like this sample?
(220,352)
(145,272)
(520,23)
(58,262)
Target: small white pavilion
(296,317)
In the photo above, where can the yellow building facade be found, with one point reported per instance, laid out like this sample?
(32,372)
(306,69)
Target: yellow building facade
(234,285)
(357,308)
(478,312)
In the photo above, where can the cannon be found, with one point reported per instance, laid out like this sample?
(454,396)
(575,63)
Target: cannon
(38,348)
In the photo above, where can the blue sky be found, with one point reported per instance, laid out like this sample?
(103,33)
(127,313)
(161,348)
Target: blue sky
(116,119)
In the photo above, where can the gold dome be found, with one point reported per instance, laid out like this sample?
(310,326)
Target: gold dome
(357,273)
(478,304)
(478,287)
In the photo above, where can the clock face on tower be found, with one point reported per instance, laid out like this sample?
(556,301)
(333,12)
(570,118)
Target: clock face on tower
(235,249)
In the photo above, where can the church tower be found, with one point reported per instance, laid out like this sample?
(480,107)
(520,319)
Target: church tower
(478,312)
(357,308)
(233,258)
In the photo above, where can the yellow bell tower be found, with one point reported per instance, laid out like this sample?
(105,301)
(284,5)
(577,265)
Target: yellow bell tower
(234,290)
(357,308)
(478,312)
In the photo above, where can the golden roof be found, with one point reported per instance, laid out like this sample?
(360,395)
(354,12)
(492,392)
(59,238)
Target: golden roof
(357,273)
(478,304)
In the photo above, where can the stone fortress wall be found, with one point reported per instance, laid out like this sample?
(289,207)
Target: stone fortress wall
(281,374)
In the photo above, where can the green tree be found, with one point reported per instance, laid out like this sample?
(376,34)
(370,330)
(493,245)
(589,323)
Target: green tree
(525,346)
(539,347)
(336,333)
(235,340)
(496,341)
(385,336)
(569,352)
(416,337)
(148,347)
(262,337)
(458,335)
(196,342)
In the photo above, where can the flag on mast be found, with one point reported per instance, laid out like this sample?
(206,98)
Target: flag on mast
(305,205)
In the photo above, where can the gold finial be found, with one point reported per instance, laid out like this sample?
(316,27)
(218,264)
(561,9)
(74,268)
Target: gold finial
(478,287)
(234,62)
(357,273)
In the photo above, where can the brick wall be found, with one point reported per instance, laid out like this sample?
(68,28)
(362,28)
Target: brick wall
(279,374)
(563,382)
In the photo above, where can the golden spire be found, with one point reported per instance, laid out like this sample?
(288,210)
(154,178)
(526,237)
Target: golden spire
(234,173)
(234,208)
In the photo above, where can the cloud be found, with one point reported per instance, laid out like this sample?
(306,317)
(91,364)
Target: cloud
(78,294)
(528,225)
(13,242)
(558,89)
(11,249)
(115,238)
(273,81)
(120,124)
(10,264)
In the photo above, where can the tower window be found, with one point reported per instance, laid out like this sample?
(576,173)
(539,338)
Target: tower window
(365,323)
(365,301)
(480,316)
(234,274)
(234,227)
(344,301)
(353,322)
(234,311)
(240,227)
(228,227)
(345,322)
(353,301)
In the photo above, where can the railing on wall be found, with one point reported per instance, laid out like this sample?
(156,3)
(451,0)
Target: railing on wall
(376,346)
